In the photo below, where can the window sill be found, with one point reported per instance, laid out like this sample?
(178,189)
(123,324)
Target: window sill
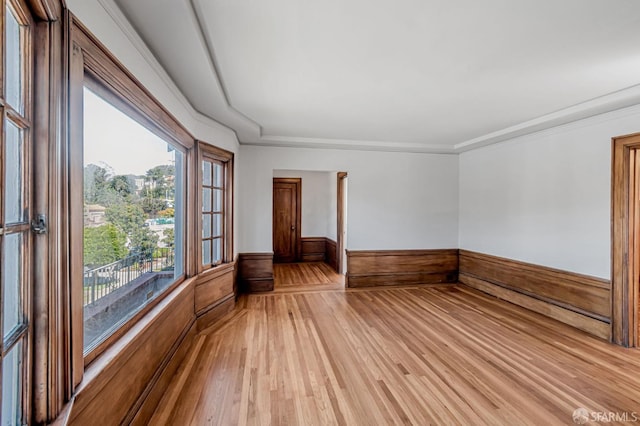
(214,271)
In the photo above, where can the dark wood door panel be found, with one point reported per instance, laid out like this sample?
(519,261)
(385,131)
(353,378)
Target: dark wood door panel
(286,219)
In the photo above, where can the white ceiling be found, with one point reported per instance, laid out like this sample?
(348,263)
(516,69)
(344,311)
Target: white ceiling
(407,75)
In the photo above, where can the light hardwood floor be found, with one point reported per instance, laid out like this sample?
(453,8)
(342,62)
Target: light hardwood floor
(429,355)
(289,277)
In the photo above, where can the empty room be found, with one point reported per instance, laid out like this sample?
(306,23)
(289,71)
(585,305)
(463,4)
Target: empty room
(320,213)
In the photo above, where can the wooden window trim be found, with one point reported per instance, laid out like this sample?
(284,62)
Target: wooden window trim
(141,104)
(209,152)
(50,350)
(93,65)
(47,10)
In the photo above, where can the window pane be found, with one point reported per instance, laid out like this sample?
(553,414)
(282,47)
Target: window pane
(206,173)
(206,200)
(218,175)
(13,253)
(217,225)
(133,218)
(217,250)
(14,164)
(12,386)
(13,69)
(206,252)
(206,226)
(217,200)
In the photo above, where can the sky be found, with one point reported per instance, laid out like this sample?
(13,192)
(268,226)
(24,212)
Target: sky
(112,138)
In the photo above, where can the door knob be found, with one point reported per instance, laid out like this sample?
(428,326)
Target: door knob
(293,228)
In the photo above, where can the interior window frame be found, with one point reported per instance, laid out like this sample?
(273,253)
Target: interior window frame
(207,152)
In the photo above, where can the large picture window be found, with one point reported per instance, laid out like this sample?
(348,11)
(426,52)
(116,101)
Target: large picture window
(133,217)
(129,165)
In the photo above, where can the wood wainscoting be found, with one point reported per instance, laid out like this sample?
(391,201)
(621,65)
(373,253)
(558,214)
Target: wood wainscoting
(319,249)
(125,384)
(313,249)
(214,294)
(121,383)
(255,272)
(578,300)
(401,267)
(331,253)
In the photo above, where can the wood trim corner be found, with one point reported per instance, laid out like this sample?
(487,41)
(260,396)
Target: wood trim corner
(319,249)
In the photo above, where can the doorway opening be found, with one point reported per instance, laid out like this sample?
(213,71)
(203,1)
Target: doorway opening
(625,244)
(309,229)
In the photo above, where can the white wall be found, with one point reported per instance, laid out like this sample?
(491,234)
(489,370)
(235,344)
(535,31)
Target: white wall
(319,201)
(395,200)
(545,198)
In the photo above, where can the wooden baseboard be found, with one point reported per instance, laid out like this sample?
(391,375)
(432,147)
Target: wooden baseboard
(255,272)
(401,267)
(578,300)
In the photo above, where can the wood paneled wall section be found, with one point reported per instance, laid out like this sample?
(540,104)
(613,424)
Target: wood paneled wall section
(116,384)
(319,249)
(313,249)
(125,385)
(255,272)
(214,294)
(578,300)
(401,267)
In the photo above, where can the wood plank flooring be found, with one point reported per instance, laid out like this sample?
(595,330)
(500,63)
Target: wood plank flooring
(290,277)
(436,355)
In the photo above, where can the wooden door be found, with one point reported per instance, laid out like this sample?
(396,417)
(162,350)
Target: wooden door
(286,219)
